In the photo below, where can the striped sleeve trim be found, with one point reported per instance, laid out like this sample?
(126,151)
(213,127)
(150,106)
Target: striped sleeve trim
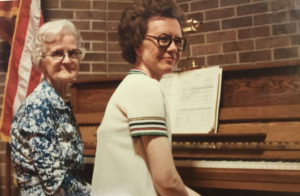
(147,126)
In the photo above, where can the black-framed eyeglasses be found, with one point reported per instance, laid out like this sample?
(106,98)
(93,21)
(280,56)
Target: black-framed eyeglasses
(60,54)
(165,40)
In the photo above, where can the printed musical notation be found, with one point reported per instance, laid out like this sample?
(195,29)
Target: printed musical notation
(192,99)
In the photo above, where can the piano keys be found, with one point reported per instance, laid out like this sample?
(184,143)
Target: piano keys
(241,164)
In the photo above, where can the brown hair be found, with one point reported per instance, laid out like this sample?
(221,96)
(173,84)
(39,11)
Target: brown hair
(134,23)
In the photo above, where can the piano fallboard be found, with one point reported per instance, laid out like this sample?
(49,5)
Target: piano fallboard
(242,179)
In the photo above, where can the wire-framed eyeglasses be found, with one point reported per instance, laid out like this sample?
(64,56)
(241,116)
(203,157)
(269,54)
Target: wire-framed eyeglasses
(61,54)
(165,40)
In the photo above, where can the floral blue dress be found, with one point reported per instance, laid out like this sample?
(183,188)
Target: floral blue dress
(46,145)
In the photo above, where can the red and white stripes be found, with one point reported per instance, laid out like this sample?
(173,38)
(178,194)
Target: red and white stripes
(21,77)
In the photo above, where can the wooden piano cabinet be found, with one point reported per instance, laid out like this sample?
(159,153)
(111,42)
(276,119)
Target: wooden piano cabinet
(255,101)
(91,96)
(89,99)
(263,180)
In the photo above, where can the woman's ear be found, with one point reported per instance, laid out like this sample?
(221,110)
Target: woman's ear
(41,66)
(137,51)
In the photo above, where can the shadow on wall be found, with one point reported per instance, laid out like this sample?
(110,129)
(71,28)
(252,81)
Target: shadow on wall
(4,55)
(3,178)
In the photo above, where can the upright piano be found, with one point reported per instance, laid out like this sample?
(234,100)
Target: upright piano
(257,146)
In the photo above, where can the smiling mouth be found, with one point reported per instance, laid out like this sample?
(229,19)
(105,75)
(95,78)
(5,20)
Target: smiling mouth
(68,68)
(170,59)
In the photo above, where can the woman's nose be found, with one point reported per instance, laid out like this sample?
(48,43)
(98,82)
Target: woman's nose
(66,58)
(172,46)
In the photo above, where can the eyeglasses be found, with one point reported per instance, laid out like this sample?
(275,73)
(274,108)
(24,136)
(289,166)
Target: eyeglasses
(61,54)
(165,40)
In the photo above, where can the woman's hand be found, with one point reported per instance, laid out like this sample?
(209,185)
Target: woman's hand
(191,192)
(60,192)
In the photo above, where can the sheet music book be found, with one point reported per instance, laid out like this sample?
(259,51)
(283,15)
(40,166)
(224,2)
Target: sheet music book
(193,99)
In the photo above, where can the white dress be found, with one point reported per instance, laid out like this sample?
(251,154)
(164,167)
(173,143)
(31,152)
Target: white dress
(136,108)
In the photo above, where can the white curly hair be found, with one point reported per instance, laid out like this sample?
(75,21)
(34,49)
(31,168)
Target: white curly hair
(49,32)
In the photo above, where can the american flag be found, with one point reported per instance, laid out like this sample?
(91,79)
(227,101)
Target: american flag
(21,76)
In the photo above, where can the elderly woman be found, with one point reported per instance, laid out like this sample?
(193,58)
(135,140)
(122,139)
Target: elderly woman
(47,150)
(133,155)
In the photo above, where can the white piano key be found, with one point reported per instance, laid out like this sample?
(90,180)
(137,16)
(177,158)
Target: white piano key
(274,165)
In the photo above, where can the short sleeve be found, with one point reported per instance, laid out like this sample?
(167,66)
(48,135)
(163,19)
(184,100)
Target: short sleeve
(145,108)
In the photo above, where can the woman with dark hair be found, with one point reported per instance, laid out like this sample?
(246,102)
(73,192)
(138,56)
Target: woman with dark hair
(133,156)
(46,146)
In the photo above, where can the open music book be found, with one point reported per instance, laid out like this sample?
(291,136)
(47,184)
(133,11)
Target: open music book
(192,100)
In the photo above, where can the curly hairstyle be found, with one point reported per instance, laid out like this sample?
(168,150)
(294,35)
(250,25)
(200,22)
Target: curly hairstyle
(50,32)
(134,23)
